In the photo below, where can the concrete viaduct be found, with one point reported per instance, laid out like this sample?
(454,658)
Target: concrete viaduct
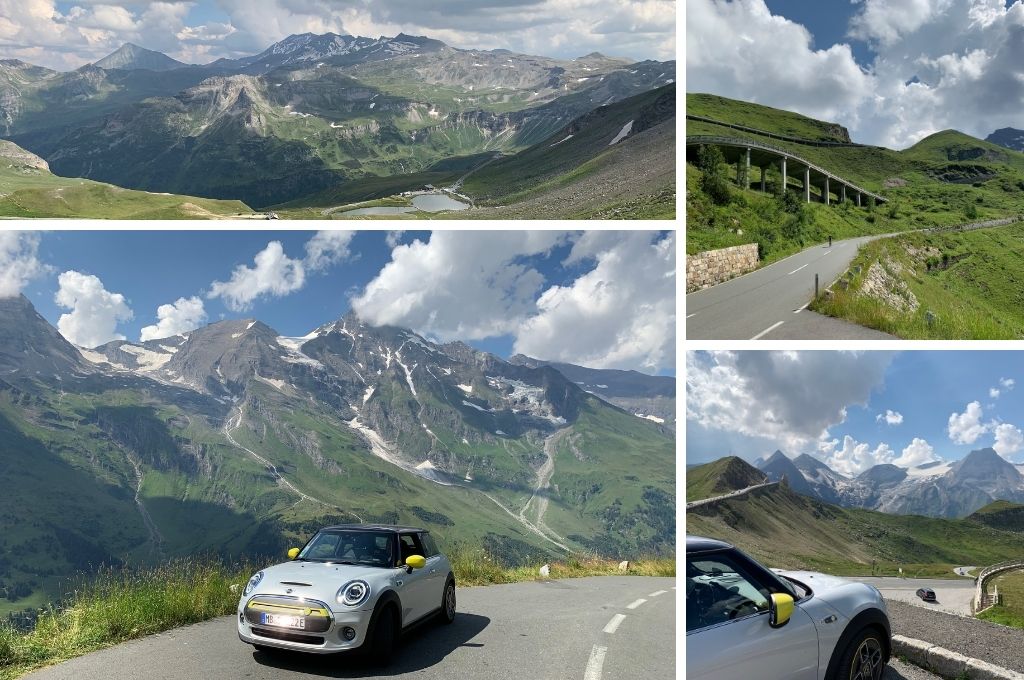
(748,153)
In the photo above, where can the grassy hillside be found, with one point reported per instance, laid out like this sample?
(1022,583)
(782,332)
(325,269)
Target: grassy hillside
(575,173)
(1010,611)
(721,476)
(1000,515)
(765,118)
(947,285)
(29,191)
(787,530)
(945,179)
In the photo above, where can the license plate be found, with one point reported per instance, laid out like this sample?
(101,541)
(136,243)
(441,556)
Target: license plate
(283,621)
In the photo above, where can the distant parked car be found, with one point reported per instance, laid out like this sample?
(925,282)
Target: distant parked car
(350,587)
(926,594)
(744,621)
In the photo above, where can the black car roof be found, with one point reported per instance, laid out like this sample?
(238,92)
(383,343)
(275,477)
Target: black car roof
(373,527)
(701,544)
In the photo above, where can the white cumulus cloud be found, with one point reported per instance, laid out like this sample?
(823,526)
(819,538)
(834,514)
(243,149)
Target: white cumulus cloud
(19,261)
(458,284)
(181,316)
(967,427)
(1009,439)
(274,274)
(780,396)
(95,311)
(918,452)
(620,314)
(890,417)
(852,457)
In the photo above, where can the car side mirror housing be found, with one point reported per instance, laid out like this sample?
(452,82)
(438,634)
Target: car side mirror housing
(293,553)
(780,609)
(415,562)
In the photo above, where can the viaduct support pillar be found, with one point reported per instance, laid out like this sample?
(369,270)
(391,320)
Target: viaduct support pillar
(842,193)
(858,199)
(807,184)
(746,177)
(783,174)
(824,196)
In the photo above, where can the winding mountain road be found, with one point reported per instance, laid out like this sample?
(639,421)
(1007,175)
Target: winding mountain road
(600,628)
(771,303)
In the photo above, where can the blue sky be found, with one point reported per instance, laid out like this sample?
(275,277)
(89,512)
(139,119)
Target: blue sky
(502,291)
(891,71)
(65,35)
(854,410)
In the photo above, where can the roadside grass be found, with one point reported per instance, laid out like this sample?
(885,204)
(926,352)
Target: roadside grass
(1010,612)
(116,606)
(968,285)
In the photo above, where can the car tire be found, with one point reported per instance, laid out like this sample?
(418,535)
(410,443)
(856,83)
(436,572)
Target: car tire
(383,637)
(863,658)
(448,601)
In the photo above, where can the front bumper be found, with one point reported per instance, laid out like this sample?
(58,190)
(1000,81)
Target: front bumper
(324,633)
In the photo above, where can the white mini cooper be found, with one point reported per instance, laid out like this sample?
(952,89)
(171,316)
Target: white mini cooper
(350,587)
(744,621)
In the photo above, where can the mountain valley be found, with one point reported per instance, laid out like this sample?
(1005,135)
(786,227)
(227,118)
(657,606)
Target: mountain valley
(315,118)
(234,440)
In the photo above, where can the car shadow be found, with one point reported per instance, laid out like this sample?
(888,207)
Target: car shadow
(421,648)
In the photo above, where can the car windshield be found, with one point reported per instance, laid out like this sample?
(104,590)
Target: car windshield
(370,548)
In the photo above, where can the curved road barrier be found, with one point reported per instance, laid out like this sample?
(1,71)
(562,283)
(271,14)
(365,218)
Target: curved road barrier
(761,154)
(733,494)
(982,600)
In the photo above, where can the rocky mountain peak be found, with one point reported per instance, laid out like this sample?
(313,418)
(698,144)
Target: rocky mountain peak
(30,346)
(129,57)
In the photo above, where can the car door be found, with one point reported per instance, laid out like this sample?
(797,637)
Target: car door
(436,569)
(415,588)
(728,636)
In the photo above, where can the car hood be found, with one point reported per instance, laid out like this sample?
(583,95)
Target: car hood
(839,592)
(317,573)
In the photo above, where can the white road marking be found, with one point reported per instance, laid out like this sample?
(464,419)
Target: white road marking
(768,330)
(656,593)
(613,625)
(636,603)
(800,309)
(796,270)
(596,663)
(689,315)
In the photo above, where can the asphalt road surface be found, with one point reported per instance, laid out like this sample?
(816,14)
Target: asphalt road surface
(897,670)
(770,303)
(601,628)
(951,595)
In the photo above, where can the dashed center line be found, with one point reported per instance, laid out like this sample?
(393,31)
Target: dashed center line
(596,663)
(636,603)
(690,315)
(768,330)
(614,624)
(797,269)
(657,592)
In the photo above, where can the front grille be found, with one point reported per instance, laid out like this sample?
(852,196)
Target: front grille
(288,637)
(317,614)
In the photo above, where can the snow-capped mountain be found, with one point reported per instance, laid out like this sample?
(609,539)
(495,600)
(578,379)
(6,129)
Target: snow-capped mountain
(939,489)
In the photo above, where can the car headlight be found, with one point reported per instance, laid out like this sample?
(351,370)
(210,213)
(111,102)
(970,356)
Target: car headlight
(253,582)
(353,593)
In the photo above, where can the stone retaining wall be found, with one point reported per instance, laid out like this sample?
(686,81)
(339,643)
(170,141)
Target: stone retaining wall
(715,266)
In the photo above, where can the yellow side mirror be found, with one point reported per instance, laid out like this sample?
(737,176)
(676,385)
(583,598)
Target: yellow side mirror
(416,561)
(293,553)
(780,608)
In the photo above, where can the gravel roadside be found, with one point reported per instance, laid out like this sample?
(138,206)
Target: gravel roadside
(989,642)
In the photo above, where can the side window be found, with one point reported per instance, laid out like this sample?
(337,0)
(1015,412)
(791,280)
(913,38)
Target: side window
(410,545)
(718,591)
(429,546)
